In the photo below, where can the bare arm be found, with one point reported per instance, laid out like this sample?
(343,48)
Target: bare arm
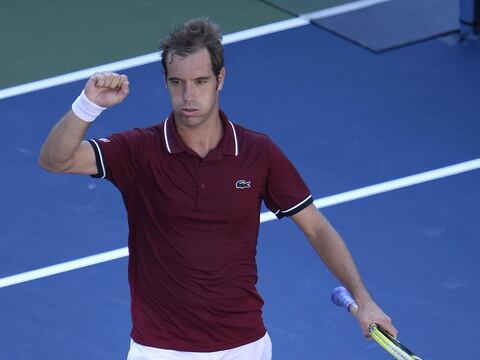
(64,150)
(334,253)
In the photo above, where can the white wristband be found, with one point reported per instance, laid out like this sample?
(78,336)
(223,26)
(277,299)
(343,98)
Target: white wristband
(86,109)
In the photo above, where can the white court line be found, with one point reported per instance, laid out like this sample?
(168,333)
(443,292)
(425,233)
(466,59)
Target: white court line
(264,217)
(342,9)
(142,60)
(153,57)
(63,267)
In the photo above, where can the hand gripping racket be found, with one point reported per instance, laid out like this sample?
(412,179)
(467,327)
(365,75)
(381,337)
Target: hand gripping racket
(341,297)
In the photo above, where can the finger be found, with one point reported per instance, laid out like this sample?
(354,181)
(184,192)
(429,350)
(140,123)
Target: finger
(364,327)
(116,82)
(91,83)
(99,79)
(366,330)
(124,90)
(123,80)
(388,326)
(392,330)
(91,89)
(109,79)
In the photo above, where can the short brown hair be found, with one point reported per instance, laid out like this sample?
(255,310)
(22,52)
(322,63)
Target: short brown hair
(192,36)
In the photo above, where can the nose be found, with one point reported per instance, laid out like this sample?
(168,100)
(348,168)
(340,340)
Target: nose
(188,92)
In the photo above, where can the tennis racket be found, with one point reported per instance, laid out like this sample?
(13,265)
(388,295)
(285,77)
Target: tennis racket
(341,297)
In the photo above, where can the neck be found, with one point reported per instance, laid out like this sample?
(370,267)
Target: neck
(204,137)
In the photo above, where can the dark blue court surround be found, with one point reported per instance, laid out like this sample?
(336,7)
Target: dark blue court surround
(393,24)
(347,118)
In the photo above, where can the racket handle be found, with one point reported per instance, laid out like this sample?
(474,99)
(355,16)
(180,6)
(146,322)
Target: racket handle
(341,297)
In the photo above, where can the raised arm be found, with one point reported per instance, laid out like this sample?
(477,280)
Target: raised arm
(334,253)
(64,150)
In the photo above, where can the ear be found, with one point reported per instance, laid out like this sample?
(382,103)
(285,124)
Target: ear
(220,79)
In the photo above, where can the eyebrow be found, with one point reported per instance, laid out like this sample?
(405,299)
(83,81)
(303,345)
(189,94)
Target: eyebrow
(171,78)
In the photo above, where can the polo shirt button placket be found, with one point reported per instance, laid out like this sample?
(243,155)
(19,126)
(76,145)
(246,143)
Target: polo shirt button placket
(201,194)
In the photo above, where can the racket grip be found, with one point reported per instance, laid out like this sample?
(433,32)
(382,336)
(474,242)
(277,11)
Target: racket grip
(341,297)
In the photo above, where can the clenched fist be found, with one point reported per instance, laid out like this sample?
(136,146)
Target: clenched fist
(107,89)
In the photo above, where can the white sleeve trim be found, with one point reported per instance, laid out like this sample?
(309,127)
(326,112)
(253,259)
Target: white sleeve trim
(104,173)
(296,206)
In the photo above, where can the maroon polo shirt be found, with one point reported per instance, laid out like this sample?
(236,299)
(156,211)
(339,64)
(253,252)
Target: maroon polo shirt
(193,226)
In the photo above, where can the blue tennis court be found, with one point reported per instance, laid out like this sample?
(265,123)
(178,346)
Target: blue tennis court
(348,119)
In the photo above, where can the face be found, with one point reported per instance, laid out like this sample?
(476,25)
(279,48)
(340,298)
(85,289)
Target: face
(193,88)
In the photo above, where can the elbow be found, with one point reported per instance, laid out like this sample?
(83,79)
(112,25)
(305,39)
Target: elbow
(43,161)
(47,164)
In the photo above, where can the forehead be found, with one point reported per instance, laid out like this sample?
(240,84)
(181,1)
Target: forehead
(193,65)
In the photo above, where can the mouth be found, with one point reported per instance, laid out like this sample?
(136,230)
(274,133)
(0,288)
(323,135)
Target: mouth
(189,111)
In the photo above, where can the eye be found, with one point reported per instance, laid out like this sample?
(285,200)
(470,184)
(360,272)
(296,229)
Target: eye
(175,82)
(201,81)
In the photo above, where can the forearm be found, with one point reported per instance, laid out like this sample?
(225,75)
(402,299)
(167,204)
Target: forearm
(332,249)
(62,143)
(334,253)
(64,151)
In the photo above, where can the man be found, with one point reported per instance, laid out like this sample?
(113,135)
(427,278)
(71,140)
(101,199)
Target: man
(192,187)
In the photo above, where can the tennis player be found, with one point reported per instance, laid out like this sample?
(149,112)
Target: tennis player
(192,186)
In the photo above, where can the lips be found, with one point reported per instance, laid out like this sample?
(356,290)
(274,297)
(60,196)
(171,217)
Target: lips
(189,111)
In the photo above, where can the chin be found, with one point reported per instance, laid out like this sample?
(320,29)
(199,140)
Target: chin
(190,120)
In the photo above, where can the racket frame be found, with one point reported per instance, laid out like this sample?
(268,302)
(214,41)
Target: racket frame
(341,297)
(391,344)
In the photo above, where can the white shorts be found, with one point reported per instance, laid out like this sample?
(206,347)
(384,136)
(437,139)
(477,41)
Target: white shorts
(257,350)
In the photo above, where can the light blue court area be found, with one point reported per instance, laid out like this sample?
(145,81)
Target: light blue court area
(348,119)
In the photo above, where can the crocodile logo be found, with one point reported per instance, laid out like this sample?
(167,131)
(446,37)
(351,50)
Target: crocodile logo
(242,184)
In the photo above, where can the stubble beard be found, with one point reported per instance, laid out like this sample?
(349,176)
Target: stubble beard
(196,120)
